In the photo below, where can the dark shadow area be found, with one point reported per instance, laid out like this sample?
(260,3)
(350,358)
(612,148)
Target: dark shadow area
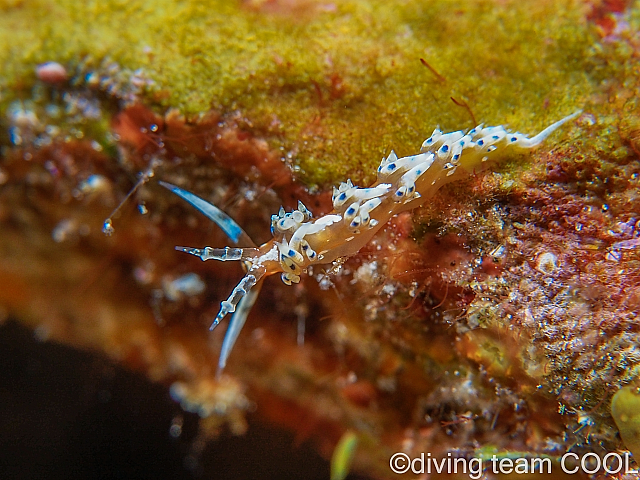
(70,414)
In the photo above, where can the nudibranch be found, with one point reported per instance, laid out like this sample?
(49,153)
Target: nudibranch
(300,240)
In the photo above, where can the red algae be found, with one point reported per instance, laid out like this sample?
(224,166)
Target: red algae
(605,14)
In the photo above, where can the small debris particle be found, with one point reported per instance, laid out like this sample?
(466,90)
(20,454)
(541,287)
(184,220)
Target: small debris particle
(547,263)
(52,72)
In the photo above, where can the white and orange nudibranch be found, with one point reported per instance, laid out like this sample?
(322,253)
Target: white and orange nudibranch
(299,240)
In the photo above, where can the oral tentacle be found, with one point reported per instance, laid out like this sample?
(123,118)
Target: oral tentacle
(221,254)
(244,286)
(213,213)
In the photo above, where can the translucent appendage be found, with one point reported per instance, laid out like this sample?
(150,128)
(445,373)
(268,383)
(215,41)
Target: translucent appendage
(107,225)
(235,325)
(243,287)
(224,221)
(221,254)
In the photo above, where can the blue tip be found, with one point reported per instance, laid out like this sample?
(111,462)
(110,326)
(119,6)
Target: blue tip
(213,213)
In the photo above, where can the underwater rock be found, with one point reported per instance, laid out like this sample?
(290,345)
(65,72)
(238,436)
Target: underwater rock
(501,315)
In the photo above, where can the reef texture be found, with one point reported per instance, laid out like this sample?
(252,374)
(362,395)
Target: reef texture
(501,317)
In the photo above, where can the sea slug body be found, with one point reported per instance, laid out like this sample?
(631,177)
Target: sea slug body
(300,240)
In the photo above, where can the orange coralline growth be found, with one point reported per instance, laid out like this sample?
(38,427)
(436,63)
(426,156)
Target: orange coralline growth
(221,141)
(436,264)
(360,393)
(139,128)
(603,14)
(491,266)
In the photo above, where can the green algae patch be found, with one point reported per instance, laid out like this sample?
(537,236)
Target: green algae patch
(343,455)
(625,409)
(333,85)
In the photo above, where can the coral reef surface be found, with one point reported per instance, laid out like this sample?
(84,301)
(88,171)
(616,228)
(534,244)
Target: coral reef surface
(500,318)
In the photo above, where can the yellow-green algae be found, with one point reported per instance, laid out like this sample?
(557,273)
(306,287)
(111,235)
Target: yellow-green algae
(625,409)
(343,455)
(335,85)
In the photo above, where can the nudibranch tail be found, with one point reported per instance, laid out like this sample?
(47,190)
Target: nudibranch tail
(472,150)
(542,136)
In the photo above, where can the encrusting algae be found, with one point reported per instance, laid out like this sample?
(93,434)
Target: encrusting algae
(500,316)
(307,82)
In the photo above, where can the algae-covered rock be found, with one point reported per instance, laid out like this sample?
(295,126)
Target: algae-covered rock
(501,315)
(333,85)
